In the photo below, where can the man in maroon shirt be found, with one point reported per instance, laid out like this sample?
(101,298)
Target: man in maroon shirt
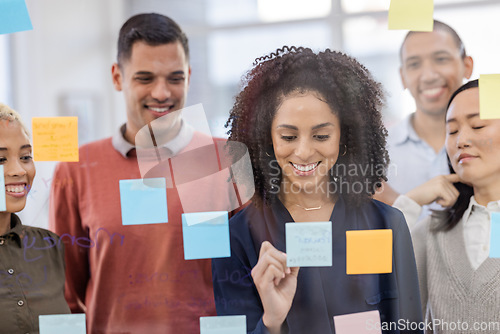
(133,279)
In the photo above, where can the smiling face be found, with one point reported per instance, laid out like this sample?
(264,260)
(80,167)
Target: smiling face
(473,145)
(432,69)
(154,82)
(16,159)
(306,136)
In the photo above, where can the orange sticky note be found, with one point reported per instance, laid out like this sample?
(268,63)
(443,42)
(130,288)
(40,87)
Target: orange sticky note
(489,97)
(369,252)
(415,15)
(55,138)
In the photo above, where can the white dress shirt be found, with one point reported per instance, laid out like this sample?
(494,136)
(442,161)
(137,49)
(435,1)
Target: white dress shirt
(477,230)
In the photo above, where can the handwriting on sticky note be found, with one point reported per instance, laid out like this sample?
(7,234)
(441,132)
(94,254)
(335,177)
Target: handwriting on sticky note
(14,16)
(229,324)
(55,138)
(3,206)
(489,99)
(359,323)
(495,235)
(308,244)
(204,239)
(415,15)
(369,252)
(62,323)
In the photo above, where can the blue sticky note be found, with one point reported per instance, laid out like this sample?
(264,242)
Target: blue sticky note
(227,324)
(3,206)
(308,244)
(495,235)
(205,235)
(62,323)
(143,204)
(14,16)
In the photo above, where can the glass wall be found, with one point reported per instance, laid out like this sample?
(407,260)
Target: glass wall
(229,35)
(5,82)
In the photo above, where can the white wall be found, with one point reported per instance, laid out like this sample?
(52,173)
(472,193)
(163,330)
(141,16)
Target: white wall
(69,51)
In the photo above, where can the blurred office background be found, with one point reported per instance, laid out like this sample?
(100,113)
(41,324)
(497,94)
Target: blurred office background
(63,66)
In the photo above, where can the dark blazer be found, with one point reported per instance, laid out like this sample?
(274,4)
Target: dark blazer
(322,292)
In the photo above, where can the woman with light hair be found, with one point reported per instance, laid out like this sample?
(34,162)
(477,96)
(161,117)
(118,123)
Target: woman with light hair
(31,258)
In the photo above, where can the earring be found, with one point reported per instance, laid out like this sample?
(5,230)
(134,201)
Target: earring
(269,155)
(345,150)
(274,182)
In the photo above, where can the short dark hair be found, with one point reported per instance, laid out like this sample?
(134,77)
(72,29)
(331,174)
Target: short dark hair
(439,26)
(152,28)
(351,93)
(450,217)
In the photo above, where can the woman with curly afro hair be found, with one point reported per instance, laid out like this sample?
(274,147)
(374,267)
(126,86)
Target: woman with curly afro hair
(314,132)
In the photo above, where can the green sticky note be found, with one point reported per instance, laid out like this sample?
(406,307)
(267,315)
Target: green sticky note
(495,235)
(308,244)
(489,96)
(415,15)
(229,324)
(62,323)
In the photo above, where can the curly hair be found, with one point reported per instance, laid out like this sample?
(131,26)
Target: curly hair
(352,94)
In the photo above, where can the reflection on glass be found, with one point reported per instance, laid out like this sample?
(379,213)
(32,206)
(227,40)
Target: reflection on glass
(222,12)
(369,35)
(282,10)
(356,6)
(232,52)
(5,83)
(368,39)
(480,34)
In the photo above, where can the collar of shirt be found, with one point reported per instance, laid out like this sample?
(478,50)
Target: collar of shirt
(477,230)
(405,131)
(475,206)
(176,145)
(16,230)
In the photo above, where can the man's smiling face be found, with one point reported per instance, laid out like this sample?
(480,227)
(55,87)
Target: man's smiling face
(432,69)
(154,82)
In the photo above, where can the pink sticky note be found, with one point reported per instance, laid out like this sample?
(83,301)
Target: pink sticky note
(358,323)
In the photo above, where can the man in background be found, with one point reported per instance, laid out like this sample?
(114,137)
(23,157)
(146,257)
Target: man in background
(433,65)
(133,279)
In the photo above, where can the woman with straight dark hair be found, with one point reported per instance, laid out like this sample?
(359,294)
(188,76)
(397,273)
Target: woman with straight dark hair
(459,282)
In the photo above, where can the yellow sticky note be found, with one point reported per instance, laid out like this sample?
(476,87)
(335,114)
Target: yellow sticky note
(369,252)
(55,138)
(415,15)
(489,96)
